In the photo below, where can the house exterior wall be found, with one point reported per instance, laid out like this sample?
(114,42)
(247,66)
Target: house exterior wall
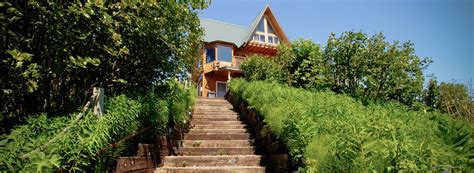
(225,34)
(212,81)
(211,72)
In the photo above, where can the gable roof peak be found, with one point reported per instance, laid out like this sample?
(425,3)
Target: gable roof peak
(268,12)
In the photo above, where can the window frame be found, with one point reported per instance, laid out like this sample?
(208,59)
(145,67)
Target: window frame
(258,34)
(205,54)
(224,45)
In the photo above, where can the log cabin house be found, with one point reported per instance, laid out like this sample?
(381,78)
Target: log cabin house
(227,45)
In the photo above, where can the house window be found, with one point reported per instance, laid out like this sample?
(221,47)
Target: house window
(270,29)
(261,26)
(210,55)
(265,33)
(262,38)
(224,53)
(259,37)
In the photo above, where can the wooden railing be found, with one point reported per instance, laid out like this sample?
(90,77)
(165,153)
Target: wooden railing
(237,60)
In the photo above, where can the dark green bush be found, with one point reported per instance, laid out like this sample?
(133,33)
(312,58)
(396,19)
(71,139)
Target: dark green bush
(327,132)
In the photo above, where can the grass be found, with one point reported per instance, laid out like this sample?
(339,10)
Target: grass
(325,131)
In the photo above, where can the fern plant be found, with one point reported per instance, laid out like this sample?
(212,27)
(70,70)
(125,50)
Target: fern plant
(328,132)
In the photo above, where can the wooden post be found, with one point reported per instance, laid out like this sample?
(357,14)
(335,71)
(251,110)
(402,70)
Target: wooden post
(228,76)
(98,95)
(204,85)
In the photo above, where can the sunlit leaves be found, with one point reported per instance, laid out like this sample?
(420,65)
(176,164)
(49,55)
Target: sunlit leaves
(328,132)
(83,62)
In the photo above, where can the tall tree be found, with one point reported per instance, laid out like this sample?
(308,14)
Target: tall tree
(432,94)
(54,52)
(374,70)
(454,99)
(308,67)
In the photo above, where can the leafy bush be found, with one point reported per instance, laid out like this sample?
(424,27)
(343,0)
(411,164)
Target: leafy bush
(262,68)
(327,132)
(85,145)
(366,67)
(179,99)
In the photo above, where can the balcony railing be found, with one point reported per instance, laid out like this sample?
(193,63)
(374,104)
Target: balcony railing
(237,60)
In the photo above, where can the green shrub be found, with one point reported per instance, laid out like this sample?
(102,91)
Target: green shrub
(327,132)
(262,68)
(180,101)
(84,146)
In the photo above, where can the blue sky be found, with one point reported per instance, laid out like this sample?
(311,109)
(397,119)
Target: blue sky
(440,29)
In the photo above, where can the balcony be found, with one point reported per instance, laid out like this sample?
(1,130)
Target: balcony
(237,60)
(217,65)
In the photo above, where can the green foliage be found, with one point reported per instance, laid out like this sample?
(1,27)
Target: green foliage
(367,68)
(262,68)
(454,99)
(84,146)
(432,94)
(53,53)
(180,100)
(304,64)
(308,56)
(328,132)
(373,69)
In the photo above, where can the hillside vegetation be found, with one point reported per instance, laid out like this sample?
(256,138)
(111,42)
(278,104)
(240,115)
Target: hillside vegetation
(55,52)
(330,132)
(91,143)
(367,68)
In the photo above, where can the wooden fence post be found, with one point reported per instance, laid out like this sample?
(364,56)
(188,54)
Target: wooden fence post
(98,95)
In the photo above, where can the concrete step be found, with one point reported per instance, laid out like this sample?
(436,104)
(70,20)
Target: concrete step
(213,110)
(198,151)
(209,104)
(229,160)
(215,114)
(216,132)
(217,123)
(224,113)
(212,103)
(134,163)
(217,143)
(213,118)
(213,107)
(219,126)
(241,130)
(210,99)
(215,169)
(217,136)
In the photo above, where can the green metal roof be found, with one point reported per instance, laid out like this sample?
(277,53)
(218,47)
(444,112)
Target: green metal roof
(220,31)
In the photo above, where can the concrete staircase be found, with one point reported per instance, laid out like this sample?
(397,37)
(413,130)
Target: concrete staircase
(218,142)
